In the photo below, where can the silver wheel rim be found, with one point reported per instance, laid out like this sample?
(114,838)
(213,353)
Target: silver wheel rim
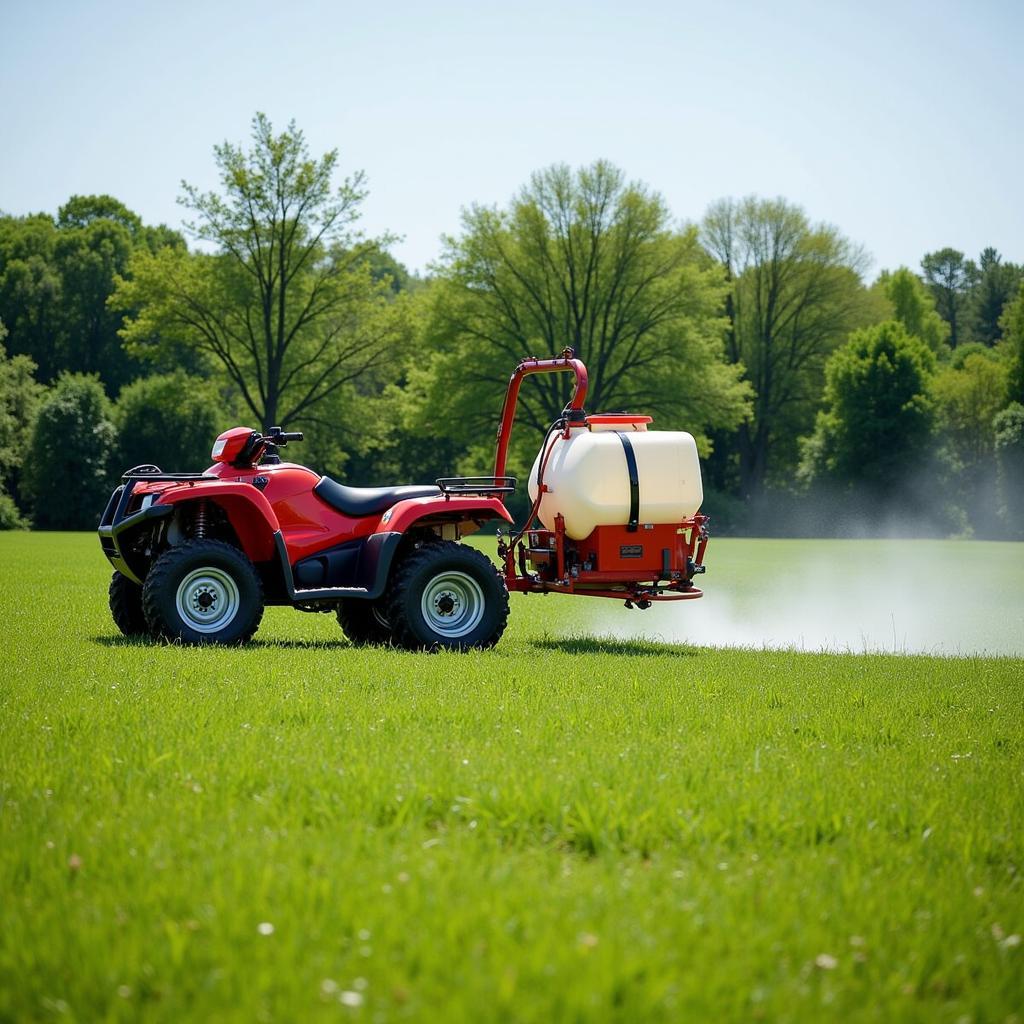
(452,604)
(207,600)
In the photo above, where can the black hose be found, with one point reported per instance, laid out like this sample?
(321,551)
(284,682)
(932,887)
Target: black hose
(558,425)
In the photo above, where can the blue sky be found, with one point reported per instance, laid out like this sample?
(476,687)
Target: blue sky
(899,122)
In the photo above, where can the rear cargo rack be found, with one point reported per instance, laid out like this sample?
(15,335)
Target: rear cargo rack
(477,484)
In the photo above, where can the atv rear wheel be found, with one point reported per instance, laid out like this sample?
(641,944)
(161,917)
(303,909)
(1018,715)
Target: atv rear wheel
(447,595)
(203,591)
(125,598)
(364,622)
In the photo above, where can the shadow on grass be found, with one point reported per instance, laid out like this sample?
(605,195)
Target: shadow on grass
(263,644)
(638,648)
(607,645)
(302,645)
(125,641)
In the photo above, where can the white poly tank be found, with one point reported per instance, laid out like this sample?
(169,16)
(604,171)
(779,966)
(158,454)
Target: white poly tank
(588,482)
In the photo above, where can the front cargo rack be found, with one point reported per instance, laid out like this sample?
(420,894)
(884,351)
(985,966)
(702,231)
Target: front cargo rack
(477,484)
(151,472)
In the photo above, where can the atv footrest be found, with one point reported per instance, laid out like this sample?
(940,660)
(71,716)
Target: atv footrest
(328,593)
(476,484)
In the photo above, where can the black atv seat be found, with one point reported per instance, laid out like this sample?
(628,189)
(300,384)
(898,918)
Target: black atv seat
(367,501)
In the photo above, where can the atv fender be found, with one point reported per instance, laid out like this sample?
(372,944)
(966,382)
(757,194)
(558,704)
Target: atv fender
(406,514)
(248,511)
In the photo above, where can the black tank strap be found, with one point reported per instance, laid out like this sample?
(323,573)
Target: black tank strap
(634,482)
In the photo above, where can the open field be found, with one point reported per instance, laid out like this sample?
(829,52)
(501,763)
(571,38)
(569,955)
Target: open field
(561,829)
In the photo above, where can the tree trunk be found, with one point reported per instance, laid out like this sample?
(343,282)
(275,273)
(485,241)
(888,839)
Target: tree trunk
(752,451)
(270,409)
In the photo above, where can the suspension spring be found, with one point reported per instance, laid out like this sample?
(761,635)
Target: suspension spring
(199,523)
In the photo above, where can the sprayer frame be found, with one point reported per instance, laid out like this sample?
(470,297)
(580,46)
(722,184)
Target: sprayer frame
(621,585)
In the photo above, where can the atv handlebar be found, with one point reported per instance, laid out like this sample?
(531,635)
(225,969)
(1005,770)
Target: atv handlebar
(281,437)
(261,449)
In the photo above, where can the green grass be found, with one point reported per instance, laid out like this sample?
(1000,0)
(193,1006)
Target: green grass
(567,828)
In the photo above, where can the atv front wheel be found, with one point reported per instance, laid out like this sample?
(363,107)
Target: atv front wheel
(447,595)
(125,599)
(203,591)
(364,622)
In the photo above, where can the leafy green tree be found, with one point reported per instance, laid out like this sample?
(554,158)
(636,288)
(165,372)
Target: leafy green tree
(795,295)
(950,278)
(875,429)
(82,212)
(19,397)
(968,349)
(286,304)
(384,267)
(170,420)
(913,306)
(56,278)
(1012,324)
(97,237)
(10,515)
(31,291)
(582,259)
(997,283)
(68,469)
(89,254)
(967,398)
(1008,427)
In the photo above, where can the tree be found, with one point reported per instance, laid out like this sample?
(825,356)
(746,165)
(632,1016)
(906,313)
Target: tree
(68,469)
(384,267)
(950,278)
(84,211)
(967,396)
(588,260)
(1008,426)
(30,291)
(1012,324)
(795,295)
(90,252)
(287,303)
(19,397)
(171,420)
(996,285)
(914,307)
(10,516)
(56,277)
(876,425)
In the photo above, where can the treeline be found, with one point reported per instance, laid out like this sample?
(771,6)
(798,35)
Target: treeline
(822,403)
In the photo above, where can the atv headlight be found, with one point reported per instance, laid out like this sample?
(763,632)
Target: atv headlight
(218,447)
(147,500)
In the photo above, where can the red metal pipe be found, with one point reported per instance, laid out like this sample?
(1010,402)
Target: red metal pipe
(565,363)
(636,593)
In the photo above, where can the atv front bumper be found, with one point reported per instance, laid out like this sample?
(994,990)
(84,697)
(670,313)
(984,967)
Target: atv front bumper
(118,527)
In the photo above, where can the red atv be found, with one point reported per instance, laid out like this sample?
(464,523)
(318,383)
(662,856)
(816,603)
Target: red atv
(197,556)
